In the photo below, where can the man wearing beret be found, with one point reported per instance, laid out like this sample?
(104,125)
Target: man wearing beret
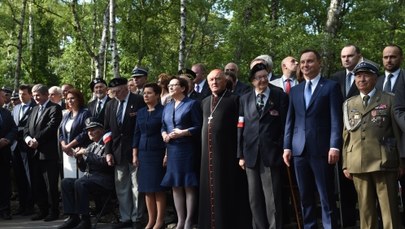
(96,107)
(139,75)
(98,178)
(370,154)
(262,114)
(119,119)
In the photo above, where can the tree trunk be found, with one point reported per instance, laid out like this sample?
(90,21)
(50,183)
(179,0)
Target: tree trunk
(19,47)
(183,30)
(332,22)
(113,41)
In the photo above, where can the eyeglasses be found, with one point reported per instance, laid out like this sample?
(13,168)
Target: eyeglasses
(70,99)
(261,78)
(173,85)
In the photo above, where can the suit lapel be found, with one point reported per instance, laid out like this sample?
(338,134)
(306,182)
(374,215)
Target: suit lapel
(252,104)
(269,104)
(318,89)
(373,102)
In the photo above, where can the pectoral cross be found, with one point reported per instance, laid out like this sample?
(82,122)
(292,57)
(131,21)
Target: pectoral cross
(209,119)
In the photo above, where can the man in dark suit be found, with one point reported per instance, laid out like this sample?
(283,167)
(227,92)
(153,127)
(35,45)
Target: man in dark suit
(21,160)
(238,87)
(200,81)
(40,134)
(98,178)
(392,59)
(120,117)
(350,57)
(97,106)
(313,138)
(8,132)
(399,108)
(262,114)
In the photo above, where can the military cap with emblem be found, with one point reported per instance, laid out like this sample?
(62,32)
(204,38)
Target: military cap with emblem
(7,90)
(92,122)
(15,96)
(96,81)
(139,72)
(366,66)
(187,72)
(117,82)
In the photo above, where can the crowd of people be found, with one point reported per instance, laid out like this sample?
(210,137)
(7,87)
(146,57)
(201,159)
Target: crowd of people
(230,154)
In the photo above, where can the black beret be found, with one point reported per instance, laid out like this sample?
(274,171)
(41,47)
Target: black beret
(96,81)
(92,122)
(138,72)
(188,72)
(258,67)
(366,66)
(117,82)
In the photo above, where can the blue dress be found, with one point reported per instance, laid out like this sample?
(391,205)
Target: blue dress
(151,149)
(181,153)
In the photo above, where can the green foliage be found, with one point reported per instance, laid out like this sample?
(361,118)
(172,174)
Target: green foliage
(218,31)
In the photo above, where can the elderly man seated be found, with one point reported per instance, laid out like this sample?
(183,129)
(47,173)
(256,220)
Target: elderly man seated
(98,177)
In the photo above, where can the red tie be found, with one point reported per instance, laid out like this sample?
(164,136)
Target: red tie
(287,86)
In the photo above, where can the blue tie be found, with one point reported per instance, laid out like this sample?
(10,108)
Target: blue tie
(308,93)
(119,113)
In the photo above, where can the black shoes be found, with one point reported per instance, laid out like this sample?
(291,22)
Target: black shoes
(72,222)
(84,224)
(122,225)
(52,217)
(39,216)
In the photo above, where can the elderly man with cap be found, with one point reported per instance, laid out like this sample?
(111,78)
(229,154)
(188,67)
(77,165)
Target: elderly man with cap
(120,120)
(370,154)
(139,75)
(7,98)
(15,99)
(96,107)
(98,178)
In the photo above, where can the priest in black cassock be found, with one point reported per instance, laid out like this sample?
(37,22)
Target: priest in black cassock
(223,186)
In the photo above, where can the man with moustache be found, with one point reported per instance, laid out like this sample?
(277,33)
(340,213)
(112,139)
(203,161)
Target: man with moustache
(97,106)
(262,114)
(119,119)
(370,154)
(313,139)
(223,185)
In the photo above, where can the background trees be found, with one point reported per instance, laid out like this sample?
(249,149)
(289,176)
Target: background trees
(54,50)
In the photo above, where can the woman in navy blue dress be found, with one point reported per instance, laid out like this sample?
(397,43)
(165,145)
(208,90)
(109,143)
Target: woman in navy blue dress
(149,153)
(182,119)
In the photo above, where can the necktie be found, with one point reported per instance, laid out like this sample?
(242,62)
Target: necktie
(287,86)
(41,108)
(119,112)
(197,88)
(22,111)
(387,86)
(348,82)
(366,98)
(99,107)
(308,93)
(260,103)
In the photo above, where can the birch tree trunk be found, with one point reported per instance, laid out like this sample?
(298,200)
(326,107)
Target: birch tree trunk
(19,47)
(182,48)
(113,42)
(331,27)
(98,58)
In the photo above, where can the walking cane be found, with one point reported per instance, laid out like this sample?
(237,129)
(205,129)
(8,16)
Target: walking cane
(293,198)
(339,194)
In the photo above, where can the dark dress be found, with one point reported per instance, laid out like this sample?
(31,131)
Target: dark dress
(224,201)
(181,153)
(151,149)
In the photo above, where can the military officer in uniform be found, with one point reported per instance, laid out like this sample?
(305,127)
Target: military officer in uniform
(370,155)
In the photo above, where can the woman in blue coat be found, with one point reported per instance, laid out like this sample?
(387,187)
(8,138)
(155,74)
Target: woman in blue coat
(72,133)
(182,120)
(148,155)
